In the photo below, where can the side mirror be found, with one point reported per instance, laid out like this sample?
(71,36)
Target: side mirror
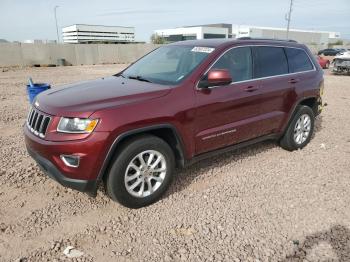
(216,77)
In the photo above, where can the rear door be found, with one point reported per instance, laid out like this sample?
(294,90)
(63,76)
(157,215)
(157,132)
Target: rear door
(302,71)
(271,67)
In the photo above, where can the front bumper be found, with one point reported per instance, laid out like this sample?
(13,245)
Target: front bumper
(88,186)
(92,152)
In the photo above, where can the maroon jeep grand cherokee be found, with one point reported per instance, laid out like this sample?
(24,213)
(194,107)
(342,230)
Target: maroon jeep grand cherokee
(180,103)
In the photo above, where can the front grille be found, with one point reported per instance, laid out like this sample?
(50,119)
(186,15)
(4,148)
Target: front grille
(38,122)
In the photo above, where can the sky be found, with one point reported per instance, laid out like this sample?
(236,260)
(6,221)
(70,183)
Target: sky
(34,19)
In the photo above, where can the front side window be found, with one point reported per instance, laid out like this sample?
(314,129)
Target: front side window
(298,60)
(239,63)
(269,61)
(168,64)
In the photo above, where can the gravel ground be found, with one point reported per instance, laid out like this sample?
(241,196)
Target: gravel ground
(257,204)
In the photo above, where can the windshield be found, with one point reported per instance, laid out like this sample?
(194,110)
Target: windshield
(168,64)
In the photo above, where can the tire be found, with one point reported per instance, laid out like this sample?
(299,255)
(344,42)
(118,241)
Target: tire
(127,170)
(296,137)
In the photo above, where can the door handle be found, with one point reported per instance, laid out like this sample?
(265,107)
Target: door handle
(293,81)
(251,88)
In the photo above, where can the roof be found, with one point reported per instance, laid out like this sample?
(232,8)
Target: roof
(99,25)
(281,29)
(228,42)
(210,25)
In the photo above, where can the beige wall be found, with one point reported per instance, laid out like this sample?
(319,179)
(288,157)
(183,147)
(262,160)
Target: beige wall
(12,54)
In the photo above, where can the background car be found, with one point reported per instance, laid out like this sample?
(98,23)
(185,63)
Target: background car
(342,63)
(331,51)
(324,62)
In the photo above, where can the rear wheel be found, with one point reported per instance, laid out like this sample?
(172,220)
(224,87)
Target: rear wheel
(300,129)
(141,172)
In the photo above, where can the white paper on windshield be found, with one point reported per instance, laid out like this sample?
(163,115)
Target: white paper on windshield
(202,49)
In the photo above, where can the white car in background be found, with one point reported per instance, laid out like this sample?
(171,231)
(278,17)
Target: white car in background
(342,63)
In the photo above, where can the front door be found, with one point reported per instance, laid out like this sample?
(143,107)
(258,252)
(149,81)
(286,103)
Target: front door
(228,114)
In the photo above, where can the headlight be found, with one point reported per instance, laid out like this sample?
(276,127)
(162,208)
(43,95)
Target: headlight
(76,125)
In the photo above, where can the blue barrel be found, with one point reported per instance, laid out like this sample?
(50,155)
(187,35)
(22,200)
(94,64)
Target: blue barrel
(36,89)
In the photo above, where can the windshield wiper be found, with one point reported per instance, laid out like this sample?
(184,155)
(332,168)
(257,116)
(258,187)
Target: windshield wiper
(140,78)
(120,74)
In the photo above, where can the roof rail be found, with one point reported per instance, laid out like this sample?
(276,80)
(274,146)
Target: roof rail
(271,39)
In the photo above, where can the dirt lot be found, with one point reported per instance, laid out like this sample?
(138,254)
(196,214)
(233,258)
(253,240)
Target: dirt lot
(257,204)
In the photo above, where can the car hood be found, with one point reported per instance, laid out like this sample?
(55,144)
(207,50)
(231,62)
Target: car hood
(84,98)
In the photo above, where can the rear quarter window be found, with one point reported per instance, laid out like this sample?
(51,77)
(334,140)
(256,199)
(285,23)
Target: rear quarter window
(298,60)
(269,61)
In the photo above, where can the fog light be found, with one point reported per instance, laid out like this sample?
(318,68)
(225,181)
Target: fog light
(70,160)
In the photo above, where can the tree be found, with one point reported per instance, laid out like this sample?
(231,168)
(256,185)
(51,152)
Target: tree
(157,39)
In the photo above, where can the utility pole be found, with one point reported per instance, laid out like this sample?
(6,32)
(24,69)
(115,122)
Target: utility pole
(288,16)
(58,37)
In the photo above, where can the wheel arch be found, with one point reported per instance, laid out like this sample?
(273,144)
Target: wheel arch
(167,132)
(311,101)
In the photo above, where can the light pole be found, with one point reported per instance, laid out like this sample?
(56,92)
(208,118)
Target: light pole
(288,17)
(58,37)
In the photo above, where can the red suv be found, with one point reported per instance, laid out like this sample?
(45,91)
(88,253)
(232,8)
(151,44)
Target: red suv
(178,104)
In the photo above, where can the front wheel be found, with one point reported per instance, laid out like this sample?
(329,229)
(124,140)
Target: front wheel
(300,129)
(141,172)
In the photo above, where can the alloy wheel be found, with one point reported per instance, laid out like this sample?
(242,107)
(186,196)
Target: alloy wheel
(302,129)
(145,173)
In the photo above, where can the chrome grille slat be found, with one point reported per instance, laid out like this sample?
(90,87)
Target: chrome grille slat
(38,122)
(42,124)
(36,117)
(32,118)
(30,114)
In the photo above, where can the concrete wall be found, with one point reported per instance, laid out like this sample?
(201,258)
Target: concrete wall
(12,54)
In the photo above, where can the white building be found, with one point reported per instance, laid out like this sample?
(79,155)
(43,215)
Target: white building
(192,33)
(80,33)
(39,41)
(334,35)
(303,36)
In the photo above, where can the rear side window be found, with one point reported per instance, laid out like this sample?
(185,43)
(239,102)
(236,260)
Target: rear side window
(298,60)
(238,61)
(269,61)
